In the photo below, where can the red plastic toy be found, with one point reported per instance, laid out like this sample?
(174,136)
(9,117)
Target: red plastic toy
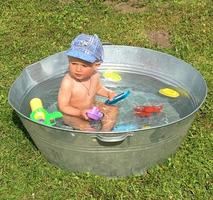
(147,111)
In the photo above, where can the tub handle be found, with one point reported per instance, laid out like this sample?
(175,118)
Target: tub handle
(113,138)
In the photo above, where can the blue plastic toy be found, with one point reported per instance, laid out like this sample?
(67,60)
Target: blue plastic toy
(125,127)
(118,98)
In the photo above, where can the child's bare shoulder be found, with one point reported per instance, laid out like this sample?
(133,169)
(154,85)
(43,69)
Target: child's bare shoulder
(96,76)
(67,81)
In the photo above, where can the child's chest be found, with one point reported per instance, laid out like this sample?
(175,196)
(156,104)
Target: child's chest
(84,90)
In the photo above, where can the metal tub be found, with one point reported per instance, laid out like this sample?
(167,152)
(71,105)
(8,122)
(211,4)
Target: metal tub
(109,154)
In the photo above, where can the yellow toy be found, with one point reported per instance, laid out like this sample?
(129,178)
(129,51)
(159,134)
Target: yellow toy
(112,75)
(169,92)
(39,114)
(37,107)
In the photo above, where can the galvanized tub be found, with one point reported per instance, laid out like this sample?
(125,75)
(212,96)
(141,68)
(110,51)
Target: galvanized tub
(109,154)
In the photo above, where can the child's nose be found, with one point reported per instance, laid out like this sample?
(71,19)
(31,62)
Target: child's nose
(78,68)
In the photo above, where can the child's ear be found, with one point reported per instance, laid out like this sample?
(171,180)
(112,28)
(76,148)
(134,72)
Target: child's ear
(97,64)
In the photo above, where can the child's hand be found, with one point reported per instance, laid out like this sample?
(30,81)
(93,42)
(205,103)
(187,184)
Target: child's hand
(111,95)
(83,114)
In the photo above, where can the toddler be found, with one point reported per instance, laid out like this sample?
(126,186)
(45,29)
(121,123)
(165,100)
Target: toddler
(81,84)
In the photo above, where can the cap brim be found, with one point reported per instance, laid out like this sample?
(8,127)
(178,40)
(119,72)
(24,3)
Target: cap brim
(81,55)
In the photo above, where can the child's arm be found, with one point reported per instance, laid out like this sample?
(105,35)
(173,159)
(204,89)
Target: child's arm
(104,92)
(64,96)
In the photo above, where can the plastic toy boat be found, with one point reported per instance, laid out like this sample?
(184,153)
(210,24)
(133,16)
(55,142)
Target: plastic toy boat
(118,98)
(125,127)
(169,92)
(95,114)
(113,76)
(147,111)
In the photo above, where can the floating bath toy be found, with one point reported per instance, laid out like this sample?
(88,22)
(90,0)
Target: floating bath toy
(169,92)
(145,126)
(147,111)
(125,127)
(95,114)
(112,75)
(39,114)
(118,98)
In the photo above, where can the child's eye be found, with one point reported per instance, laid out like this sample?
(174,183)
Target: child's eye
(82,65)
(74,63)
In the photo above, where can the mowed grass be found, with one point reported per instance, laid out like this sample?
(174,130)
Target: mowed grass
(32,30)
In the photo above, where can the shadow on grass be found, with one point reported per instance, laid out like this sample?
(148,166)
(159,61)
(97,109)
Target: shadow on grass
(20,125)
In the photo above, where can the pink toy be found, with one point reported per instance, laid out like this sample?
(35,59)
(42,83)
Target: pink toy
(95,114)
(147,111)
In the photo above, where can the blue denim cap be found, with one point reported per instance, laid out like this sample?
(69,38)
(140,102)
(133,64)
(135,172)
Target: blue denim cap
(87,48)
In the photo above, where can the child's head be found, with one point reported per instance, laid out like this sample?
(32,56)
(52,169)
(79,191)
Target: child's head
(87,48)
(81,69)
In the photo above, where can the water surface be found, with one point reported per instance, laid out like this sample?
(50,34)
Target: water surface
(144,91)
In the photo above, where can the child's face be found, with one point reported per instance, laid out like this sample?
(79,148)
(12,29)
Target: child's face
(81,70)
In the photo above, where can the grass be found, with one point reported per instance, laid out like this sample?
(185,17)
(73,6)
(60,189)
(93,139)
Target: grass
(32,30)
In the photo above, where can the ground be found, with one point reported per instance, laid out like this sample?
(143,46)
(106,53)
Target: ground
(160,37)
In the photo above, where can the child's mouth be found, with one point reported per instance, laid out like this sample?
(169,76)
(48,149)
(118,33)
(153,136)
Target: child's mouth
(78,75)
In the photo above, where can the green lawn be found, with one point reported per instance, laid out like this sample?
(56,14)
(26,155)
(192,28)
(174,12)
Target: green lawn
(32,30)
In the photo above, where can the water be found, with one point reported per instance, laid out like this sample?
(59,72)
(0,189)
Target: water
(144,91)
